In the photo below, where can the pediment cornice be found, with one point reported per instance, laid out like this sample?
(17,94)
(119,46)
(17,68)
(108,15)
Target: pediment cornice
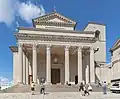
(55,30)
(53,15)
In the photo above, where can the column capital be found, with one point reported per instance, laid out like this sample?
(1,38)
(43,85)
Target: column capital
(20,44)
(91,49)
(80,48)
(34,46)
(48,47)
(67,48)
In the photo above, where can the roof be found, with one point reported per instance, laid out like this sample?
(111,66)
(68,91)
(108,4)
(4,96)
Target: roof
(54,30)
(94,23)
(50,16)
(115,45)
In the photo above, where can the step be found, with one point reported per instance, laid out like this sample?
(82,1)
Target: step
(48,88)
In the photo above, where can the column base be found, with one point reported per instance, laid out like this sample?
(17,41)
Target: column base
(78,83)
(48,83)
(35,82)
(66,83)
(20,83)
(92,83)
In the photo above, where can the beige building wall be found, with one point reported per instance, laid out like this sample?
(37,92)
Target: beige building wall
(100,55)
(101,43)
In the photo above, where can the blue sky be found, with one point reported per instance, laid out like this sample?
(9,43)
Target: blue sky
(14,13)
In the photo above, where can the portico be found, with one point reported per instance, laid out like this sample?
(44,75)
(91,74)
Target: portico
(50,53)
(53,50)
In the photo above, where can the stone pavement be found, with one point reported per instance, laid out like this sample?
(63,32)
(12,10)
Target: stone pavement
(59,95)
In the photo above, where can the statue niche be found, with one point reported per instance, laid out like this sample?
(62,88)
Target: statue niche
(55,59)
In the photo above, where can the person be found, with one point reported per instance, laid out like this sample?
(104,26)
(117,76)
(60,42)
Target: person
(89,88)
(83,82)
(104,88)
(38,82)
(42,86)
(32,87)
(86,91)
(81,89)
(97,83)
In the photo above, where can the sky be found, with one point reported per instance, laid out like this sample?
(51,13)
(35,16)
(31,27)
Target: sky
(14,13)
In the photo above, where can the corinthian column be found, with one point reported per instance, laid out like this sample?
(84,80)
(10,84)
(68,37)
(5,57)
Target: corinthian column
(80,65)
(48,65)
(67,64)
(27,69)
(20,57)
(87,74)
(92,66)
(24,68)
(35,63)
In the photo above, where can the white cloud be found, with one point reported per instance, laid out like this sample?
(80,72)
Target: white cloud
(9,9)
(4,80)
(6,12)
(28,11)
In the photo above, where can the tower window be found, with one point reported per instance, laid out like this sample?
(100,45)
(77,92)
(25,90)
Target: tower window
(97,34)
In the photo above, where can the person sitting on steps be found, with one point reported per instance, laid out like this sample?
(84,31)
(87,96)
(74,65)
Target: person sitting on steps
(33,87)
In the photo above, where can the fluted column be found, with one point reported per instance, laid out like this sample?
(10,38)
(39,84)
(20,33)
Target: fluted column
(20,57)
(92,66)
(35,63)
(27,69)
(80,65)
(48,65)
(87,66)
(67,64)
(24,68)
(87,74)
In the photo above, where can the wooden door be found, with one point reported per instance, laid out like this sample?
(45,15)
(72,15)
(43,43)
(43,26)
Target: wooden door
(55,75)
(30,79)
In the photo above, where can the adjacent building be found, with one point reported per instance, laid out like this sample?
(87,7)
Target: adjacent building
(114,66)
(53,49)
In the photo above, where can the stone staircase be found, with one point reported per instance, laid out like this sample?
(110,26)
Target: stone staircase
(20,88)
(59,88)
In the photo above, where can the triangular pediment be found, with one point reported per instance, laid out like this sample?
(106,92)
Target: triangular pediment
(57,20)
(53,17)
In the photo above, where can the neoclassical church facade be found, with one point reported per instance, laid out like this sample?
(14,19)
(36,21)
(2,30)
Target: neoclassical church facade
(53,49)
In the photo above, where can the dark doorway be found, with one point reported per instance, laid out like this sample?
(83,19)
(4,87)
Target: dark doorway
(30,79)
(55,75)
(76,79)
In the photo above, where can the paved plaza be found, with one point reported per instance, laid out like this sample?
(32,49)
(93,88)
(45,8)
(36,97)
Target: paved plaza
(59,95)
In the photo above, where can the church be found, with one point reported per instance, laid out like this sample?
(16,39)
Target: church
(54,50)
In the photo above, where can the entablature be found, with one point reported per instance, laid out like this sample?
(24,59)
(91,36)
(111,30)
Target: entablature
(60,38)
